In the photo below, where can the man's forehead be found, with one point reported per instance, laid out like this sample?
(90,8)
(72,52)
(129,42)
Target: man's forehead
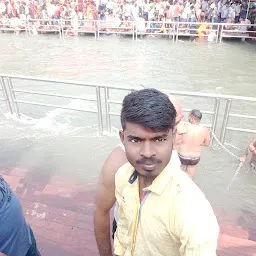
(137,130)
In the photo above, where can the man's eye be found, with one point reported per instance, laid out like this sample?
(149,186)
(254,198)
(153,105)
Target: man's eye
(134,140)
(160,139)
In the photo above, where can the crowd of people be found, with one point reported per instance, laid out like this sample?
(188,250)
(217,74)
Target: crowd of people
(16,12)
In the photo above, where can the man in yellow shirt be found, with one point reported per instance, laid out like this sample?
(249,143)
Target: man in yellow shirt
(161,210)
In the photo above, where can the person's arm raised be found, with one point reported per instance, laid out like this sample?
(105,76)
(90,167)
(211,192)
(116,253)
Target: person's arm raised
(207,140)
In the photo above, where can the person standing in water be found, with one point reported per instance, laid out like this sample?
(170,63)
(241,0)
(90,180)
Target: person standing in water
(193,142)
(251,149)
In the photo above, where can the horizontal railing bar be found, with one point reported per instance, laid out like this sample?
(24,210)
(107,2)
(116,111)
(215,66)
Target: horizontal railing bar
(202,111)
(211,95)
(41,79)
(237,36)
(240,129)
(116,32)
(2,99)
(181,93)
(243,116)
(174,23)
(114,114)
(53,95)
(115,102)
(205,125)
(55,106)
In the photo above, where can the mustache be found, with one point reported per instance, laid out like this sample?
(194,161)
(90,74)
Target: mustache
(148,161)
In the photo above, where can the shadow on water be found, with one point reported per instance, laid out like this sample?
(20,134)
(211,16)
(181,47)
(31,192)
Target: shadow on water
(17,153)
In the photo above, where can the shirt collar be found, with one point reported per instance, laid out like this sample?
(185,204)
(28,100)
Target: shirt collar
(160,182)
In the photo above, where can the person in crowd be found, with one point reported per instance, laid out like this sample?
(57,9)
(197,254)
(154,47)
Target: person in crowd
(193,142)
(48,13)
(250,150)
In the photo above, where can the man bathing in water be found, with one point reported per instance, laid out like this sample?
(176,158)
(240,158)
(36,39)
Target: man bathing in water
(192,143)
(251,149)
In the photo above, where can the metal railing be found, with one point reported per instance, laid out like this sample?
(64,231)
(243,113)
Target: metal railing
(227,99)
(197,29)
(214,101)
(172,30)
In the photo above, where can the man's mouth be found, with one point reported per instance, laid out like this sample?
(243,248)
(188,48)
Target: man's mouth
(149,167)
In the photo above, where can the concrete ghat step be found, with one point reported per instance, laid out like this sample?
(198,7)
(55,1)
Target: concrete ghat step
(234,246)
(234,230)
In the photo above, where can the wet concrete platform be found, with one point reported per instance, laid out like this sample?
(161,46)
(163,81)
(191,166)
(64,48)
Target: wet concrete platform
(60,213)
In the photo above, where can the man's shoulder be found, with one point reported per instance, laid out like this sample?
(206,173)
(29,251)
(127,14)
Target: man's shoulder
(115,159)
(125,170)
(123,174)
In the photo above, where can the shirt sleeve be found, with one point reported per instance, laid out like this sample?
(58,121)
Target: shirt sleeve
(197,228)
(118,248)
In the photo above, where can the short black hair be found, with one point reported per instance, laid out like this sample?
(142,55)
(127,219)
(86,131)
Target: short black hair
(149,108)
(196,114)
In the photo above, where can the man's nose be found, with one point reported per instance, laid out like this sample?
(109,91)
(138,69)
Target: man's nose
(181,128)
(148,150)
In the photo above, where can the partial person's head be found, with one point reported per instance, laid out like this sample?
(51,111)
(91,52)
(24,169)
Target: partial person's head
(180,127)
(195,116)
(148,122)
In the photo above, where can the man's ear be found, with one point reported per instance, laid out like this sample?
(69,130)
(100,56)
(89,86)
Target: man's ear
(174,133)
(121,135)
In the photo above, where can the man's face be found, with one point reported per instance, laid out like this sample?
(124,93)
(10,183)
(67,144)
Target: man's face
(147,151)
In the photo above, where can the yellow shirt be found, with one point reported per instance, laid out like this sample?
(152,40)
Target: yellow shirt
(173,219)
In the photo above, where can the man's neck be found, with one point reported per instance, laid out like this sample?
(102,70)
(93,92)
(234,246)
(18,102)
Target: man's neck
(144,183)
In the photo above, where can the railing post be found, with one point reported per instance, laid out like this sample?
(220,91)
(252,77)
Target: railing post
(99,107)
(13,97)
(225,121)
(177,32)
(60,32)
(26,28)
(217,34)
(6,97)
(215,116)
(98,29)
(107,109)
(173,32)
(95,30)
(134,31)
(221,32)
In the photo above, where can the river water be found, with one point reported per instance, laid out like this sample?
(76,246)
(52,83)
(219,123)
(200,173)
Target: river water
(63,142)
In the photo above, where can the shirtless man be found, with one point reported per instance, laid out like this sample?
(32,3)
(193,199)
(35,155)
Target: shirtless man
(192,144)
(168,16)
(105,194)
(251,149)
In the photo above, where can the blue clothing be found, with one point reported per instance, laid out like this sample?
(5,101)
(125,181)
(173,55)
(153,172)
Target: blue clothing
(15,237)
